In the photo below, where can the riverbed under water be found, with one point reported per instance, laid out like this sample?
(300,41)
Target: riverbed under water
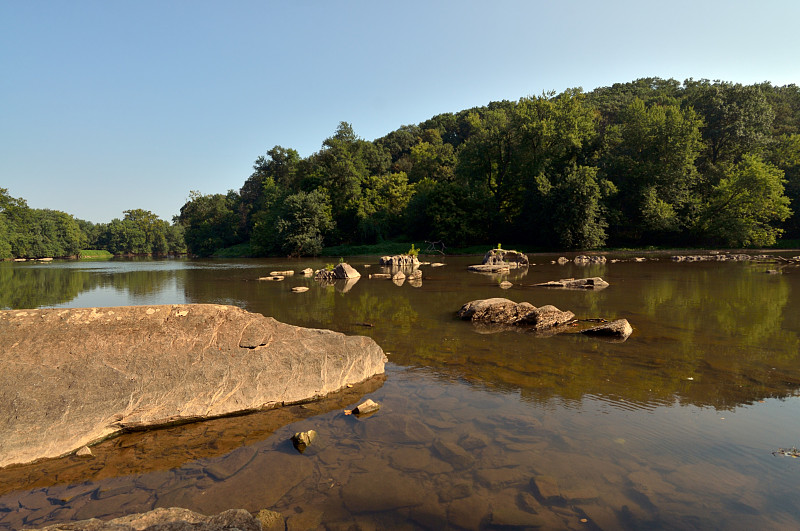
(674,428)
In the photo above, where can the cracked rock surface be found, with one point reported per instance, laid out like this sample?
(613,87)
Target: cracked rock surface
(73,377)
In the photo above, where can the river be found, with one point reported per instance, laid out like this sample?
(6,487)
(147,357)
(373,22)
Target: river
(675,428)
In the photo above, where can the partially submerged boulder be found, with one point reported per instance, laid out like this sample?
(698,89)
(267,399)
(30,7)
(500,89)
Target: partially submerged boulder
(500,261)
(573,283)
(507,312)
(341,271)
(399,260)
(511,259)
(619,329)
(583,259)
(73,377)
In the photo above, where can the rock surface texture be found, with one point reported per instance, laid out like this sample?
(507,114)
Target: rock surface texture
(178,519)
(506,312)
(72,377)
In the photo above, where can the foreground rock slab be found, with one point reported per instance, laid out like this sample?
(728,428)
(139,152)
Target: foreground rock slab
(507,312)
(73,377)
(178,519)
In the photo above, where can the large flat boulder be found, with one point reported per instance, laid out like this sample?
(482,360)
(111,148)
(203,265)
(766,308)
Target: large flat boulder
(72,377)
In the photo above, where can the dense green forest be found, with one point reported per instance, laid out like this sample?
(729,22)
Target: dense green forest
(37,233)
(652,162)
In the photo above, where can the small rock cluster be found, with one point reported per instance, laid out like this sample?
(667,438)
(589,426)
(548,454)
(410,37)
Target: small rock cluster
(572,283)
(504,311)
(341,271)
(726,257)
(583,259)
(399,260)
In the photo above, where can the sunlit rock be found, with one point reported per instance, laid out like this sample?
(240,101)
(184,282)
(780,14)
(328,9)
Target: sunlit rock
(506,312)
(341,271)
(73,377)
(304,439)
(399,260)
(619,329)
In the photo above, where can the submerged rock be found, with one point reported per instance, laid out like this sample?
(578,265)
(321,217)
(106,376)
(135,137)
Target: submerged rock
(307,272)
(300,289)
(73,377)
(281,273)
(274,278)
(489,268)
(506,312)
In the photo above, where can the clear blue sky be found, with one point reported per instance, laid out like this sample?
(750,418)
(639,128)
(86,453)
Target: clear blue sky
(108,106)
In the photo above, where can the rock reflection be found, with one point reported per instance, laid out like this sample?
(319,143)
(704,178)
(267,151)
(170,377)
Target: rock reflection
(163,449)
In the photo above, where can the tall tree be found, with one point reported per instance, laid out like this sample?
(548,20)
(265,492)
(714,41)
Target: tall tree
(650,157)
(746,206)
(737,118)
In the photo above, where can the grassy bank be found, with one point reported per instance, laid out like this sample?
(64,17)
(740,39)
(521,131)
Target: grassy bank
(391,248)
(94,254)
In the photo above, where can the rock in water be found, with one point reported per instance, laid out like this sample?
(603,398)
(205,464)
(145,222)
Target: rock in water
(619,330)
(304,439)
(366,407)
(510,259)
(341,271)
(399,260)
(595,283)
(71,377)
(506,312)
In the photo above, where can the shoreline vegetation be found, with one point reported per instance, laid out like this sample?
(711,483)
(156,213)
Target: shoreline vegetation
(649,164)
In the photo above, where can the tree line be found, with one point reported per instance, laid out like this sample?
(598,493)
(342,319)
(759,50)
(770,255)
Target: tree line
(38,233)
(652,162)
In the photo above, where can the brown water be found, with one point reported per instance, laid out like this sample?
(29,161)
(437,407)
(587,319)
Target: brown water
(672,429)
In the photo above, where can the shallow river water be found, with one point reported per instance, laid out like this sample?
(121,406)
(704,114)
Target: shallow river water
(674,428)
